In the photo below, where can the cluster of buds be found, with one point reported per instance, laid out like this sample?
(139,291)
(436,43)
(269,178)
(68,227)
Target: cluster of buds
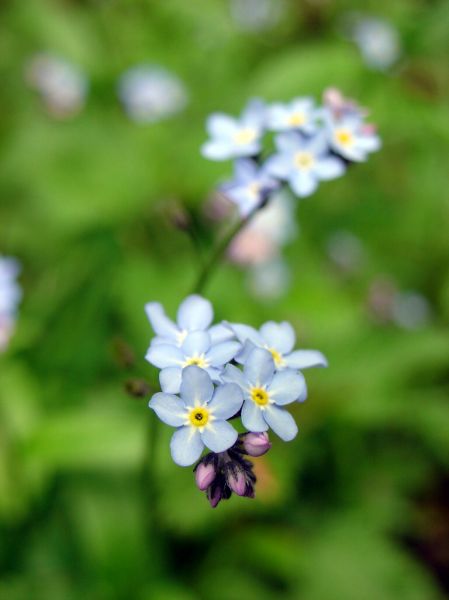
(221,474)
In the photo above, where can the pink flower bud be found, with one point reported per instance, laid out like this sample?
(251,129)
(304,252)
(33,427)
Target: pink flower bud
(237,482)
(204,475)
(256,444)
(214,495)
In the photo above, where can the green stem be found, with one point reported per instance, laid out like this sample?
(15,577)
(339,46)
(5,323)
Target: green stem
(219,251)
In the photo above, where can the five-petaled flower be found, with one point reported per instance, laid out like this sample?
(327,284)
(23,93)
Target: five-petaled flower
(352,138)
(265,391)
(196,349)
(233,138)
(250,187)
(200,415)
(279,339)
(303,162)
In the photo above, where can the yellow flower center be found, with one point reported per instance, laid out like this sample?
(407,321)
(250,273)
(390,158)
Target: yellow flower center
(254,189)
(199,360)
(303,160)
(245,136)
(277,357)
(344,137)
(296,119)
(260,396)
(199,416)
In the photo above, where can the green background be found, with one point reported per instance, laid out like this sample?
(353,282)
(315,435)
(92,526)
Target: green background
(356,506)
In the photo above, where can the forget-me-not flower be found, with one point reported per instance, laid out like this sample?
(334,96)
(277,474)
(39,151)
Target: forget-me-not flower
(200,415)
(303,162)
(352,138)
(250,187)
(279,339)
(234,138)
(195,313)
(299,114)
(197,349)
(265,391)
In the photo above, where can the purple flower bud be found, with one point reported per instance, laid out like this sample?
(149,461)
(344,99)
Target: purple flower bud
(214,495)
(204,475)
(237,481)
(256,444)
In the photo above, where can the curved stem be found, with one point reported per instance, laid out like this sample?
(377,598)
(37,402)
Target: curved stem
(218,252)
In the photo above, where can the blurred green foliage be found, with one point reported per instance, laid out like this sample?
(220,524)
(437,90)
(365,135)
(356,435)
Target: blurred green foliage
(354,507)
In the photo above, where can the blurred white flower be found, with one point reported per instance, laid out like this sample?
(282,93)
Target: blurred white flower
(270,228)
(269,280)
(377,40)
(10,295)
(60,84)
(151,93)
(410,310)
(257,15)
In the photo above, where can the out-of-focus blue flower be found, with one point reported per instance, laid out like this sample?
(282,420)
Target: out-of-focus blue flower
(352,138)
(265,391)
(279,339)
(234,138)
(257,15)
(299,114)
(377,40)
(195,313)
(151,93)
(62,86)
(196,349)
(10,294)
(200,415)
(250,187)
(303,162)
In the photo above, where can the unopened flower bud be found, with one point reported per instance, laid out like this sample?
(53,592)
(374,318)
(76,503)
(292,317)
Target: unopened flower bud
(237,481)
(256,444)
(214,495)
(204,475)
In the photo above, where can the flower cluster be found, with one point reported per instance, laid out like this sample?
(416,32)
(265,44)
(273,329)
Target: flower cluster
(312,144)
(9,298)
(212,374)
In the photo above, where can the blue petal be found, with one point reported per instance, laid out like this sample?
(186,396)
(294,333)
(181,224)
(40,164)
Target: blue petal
(196,386)
(281,422)
(227,401)
(220,333)
(219,436)
(186,446)
(252,417)
(164,355)
(259,367)
(194,313)
(245,170)
(277,165)
(170,409)
(287,386)
(329,168)
(234,375)
(303,183)
(304,359)
(220,124)
(217,150)
(242,356)
(280,336)
(245,332)
(197,342)
(161,324)
(222,353)
(170,380)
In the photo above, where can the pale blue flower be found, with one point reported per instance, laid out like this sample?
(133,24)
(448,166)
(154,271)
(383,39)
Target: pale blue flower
(150,93)
(303,162)
(200,415)
(265,391)
(250,187)
(299,114)
(279,339)
(234,138)
(196,349)
(10,294)
(351,137)
(195,313)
